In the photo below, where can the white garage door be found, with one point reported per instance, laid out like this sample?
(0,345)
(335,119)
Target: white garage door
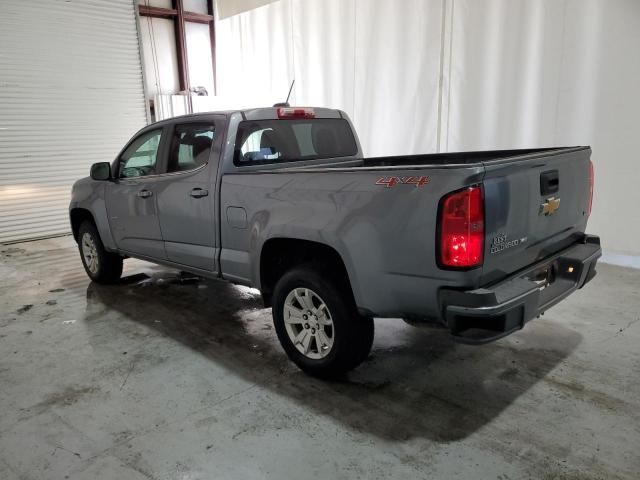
(71,93)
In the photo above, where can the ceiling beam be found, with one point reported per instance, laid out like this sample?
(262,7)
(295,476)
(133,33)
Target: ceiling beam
(197,17)
(157,12)
(212,36)
(179,17)
(181,46)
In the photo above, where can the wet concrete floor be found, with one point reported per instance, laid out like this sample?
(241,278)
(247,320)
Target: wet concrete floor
(166,376)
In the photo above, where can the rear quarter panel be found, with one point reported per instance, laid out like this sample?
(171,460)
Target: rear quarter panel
(385,236)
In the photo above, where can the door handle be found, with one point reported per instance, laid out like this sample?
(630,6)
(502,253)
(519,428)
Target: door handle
(144,193)
(199,192)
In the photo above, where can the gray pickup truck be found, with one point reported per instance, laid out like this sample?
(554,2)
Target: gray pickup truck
(282,199)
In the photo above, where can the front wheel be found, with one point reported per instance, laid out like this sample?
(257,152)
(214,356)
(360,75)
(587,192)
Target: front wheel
(100,265)
(317,323)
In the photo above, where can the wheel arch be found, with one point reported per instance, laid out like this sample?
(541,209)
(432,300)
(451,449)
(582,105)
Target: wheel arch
(77,216)
(280,254)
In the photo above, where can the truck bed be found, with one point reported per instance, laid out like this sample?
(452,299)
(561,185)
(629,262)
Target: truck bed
(387,230)
(440,160)
(460,158)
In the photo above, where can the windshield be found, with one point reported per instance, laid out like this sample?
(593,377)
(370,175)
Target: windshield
(273,141)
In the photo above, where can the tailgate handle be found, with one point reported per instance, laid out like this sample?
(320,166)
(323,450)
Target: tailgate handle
(549,182)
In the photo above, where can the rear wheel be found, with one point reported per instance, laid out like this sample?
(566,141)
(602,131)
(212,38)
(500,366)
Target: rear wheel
(100,265)
(317,323)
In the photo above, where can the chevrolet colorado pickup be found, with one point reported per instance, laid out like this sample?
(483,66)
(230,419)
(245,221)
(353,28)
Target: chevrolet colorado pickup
(283,200)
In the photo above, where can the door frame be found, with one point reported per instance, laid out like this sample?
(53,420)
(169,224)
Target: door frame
(160,167)
(216,158)
(220,122)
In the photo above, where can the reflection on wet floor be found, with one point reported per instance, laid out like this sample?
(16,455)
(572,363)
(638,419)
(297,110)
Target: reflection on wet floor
(165,353)
(404,373)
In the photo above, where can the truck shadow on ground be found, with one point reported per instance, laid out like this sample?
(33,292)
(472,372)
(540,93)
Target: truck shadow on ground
(416,383)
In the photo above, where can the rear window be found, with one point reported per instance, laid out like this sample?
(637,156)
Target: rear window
(273,141)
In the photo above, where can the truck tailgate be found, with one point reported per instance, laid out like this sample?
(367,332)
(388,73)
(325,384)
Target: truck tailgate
(535,205)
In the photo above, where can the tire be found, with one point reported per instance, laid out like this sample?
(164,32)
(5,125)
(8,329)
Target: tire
(346,337)
(101,266)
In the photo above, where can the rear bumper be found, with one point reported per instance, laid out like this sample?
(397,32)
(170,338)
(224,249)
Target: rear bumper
(486,314)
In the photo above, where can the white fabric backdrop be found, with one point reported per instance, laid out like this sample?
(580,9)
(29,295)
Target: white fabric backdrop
(422,76)
(381,66)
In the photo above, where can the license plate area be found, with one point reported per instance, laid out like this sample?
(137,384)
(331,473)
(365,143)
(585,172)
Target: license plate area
(545,275)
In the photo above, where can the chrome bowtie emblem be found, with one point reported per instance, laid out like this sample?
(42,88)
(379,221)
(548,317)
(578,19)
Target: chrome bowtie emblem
(550,206)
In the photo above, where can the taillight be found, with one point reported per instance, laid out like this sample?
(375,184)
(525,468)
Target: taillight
(591,182)
(296,112)
(462,228)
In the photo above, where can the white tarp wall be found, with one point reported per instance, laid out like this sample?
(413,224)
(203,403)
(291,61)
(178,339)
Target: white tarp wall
(423,76)
(538,73)
(376,61)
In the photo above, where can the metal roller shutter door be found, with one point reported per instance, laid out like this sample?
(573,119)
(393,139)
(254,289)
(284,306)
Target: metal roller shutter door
(71,93)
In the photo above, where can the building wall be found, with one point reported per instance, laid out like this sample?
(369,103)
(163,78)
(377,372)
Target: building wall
(71,94)
(423,76)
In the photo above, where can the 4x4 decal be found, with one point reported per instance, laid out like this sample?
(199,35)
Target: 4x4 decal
(389,182)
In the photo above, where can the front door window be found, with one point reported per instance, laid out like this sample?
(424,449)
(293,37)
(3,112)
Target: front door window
(140,158)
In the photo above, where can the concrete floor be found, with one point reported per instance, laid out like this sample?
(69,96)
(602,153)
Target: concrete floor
(167,377)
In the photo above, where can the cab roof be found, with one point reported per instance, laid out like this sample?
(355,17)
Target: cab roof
(266,113)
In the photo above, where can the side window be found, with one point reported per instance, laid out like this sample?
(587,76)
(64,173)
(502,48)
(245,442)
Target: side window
(261,144)
(139,159)
(190,146)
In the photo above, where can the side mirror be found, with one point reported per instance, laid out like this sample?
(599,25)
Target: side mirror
(101,171)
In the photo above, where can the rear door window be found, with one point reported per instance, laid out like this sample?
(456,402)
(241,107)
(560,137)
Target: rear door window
(273,141)
(190,146)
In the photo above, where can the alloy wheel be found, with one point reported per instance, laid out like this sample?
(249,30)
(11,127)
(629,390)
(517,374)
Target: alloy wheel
(308,323)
